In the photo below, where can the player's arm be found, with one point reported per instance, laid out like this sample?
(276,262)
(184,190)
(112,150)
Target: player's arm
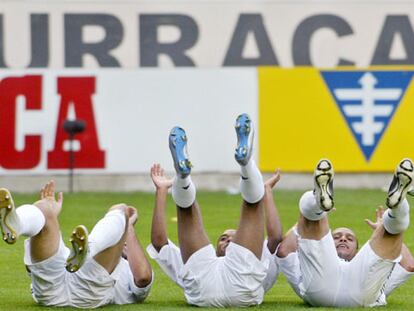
(138,262)
(288,260)
(289,243)
(273,225)
(407,260)
(159,236)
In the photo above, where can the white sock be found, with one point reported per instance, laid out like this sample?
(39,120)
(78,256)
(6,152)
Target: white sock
(107,232)
(183,191)
(396,220)
(310,208)
(251,183)
(31,220)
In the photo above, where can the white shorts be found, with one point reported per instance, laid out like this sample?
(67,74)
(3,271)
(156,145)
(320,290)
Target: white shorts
(90,287)
(233,280)
(398,277)
(327,280)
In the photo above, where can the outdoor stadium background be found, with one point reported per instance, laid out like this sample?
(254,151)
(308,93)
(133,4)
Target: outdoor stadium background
(320,79)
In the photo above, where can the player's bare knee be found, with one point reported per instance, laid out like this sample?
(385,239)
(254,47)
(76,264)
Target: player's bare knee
(158,241)
(409,268)
(121,206)
(283,251)
(144,280)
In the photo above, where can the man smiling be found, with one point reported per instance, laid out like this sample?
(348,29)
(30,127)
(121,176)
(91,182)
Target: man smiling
(346,243)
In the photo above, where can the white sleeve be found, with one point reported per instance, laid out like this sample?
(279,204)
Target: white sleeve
(398,276)
(169,259)
(125,289)
(273,267)
(290,267)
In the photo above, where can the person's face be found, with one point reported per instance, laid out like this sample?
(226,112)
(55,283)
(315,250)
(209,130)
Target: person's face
(223,241)
(346,243)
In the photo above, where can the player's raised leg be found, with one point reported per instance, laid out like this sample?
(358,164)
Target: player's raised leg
(39,221)
(191,234)
(386,240)
(318,259)
(314,205)
(108,236)
(250,231)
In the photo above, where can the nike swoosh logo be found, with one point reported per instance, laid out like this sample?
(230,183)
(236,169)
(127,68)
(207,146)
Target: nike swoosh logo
(186,187)
(244,178)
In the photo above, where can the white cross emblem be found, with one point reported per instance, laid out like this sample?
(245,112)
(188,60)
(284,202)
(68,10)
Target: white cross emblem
(368,110)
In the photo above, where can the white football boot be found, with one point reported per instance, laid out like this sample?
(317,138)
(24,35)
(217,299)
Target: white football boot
(323,183)
(245,136)
(401,183)
(9,221)
(79,250)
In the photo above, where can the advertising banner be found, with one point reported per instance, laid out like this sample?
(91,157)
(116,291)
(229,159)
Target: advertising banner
(359,119)
(176,33)
(128,116)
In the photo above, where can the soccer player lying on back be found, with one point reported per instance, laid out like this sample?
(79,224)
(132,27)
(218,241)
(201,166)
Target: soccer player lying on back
(326,269)
(95,273)
(243,266)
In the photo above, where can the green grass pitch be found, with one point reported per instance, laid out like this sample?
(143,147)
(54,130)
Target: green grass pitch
(220,211)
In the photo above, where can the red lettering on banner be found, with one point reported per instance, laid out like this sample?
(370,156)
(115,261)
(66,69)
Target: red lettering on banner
(77,91)
(10,88)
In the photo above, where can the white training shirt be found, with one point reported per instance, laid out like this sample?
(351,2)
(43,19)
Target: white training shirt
(170,260)
(90,287)
(291,268)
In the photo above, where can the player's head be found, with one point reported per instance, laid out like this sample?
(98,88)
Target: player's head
(223,241)
(346,243)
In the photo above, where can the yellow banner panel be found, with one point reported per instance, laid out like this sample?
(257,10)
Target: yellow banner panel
(361,120)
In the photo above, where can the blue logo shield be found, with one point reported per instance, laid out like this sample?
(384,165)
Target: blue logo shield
(367,100)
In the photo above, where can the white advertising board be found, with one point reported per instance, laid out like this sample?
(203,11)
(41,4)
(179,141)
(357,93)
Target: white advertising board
(174,33)
(128,115)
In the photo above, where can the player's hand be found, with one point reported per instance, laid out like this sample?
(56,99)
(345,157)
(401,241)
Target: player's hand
(132,215)
(48,198)
(273,180)
(158,178)
(379,212)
